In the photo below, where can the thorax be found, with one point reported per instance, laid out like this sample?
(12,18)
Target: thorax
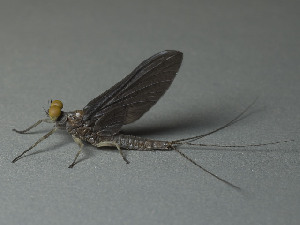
(75,125)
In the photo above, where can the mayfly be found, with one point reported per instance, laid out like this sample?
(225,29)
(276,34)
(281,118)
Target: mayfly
(100,121)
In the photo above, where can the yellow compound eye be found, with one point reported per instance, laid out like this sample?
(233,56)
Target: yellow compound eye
(54,112)
(57,103)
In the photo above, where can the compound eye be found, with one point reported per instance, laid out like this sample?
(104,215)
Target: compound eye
(57,103)
(54,112)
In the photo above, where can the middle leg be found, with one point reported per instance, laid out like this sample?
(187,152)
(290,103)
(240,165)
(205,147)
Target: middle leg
(79,142)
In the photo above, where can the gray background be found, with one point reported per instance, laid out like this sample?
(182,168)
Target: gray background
(234,51)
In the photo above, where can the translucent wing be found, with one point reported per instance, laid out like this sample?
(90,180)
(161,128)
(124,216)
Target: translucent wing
(129,99)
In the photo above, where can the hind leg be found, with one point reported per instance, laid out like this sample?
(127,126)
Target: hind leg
(113,144)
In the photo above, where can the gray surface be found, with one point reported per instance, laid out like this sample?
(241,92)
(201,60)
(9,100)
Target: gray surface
(234,51)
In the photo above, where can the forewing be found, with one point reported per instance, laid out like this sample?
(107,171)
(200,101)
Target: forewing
(129,99)
(110,123)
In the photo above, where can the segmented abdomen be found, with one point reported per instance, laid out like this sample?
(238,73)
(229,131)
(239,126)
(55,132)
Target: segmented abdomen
(138,143)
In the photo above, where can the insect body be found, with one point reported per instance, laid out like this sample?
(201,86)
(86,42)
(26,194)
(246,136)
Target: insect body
(100,121)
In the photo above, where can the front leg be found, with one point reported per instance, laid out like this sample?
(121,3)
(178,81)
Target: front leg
(35,144)
(47,120)
(79,142)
